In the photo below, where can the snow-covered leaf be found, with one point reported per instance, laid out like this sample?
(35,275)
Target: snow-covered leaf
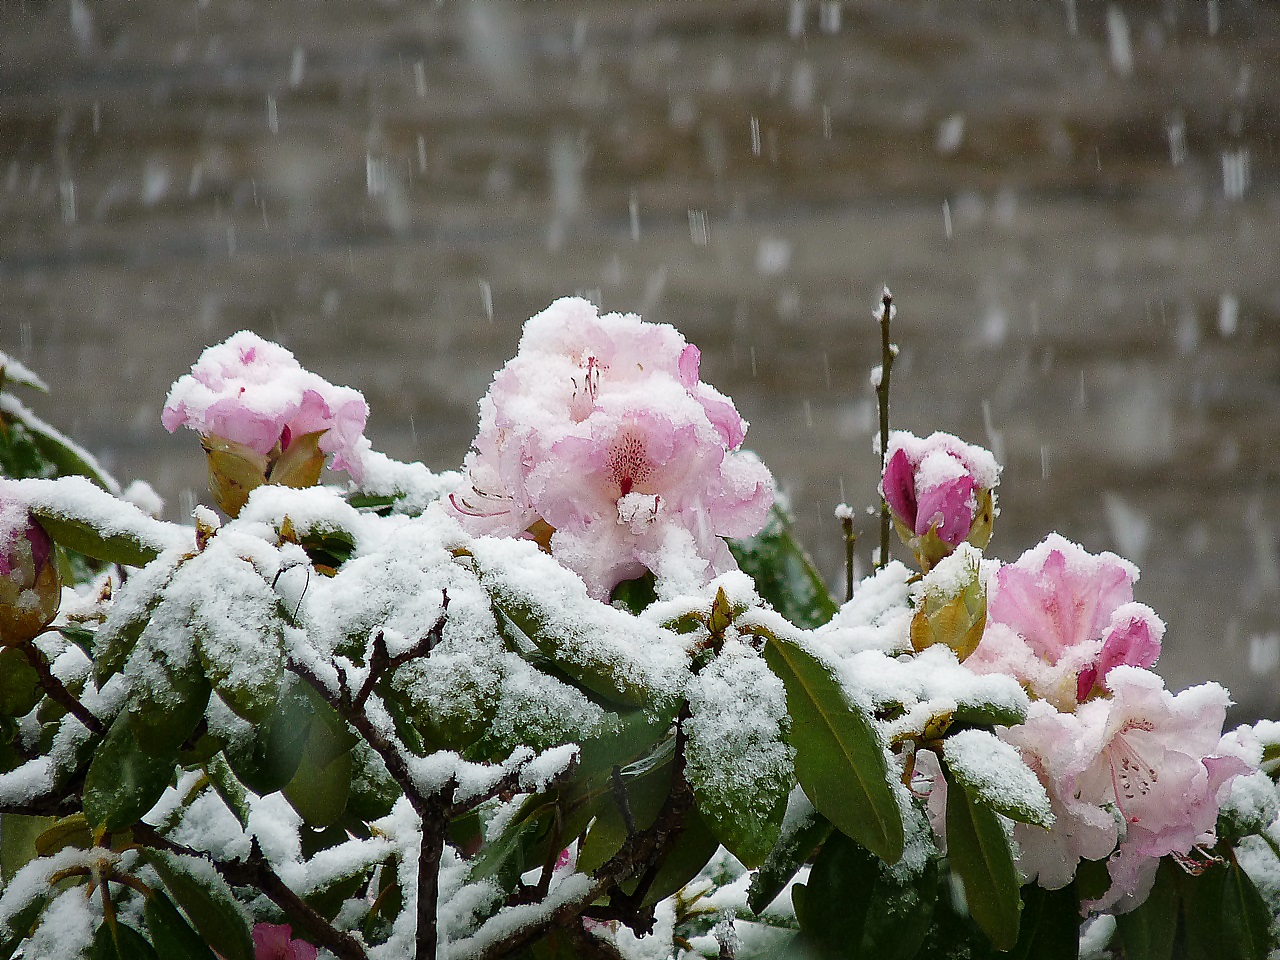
(994,774)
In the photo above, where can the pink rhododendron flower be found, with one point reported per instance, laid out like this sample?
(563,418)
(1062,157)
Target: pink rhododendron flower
(1156,763)
(272,941)
(599,440)
(938,487)
(1060,619)
(254,392)
(1055,746)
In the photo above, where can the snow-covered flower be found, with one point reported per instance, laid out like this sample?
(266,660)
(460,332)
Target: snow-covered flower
(599,440)
(274,941)
(30,588)
(263,418)
(939,490)
(1055,747)
(1060,619)
(1157,765)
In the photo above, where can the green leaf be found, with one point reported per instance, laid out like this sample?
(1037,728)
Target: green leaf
(19,683)
(1246,919)
(173,937)
(784,573)
(320,787)
(1202,902)
(994,774)
(18,835)
(119,941)
(1050,927)
(1148,932)
(839,759)
(72,831)
(634,595)
(205,897)
(167,701)
(899,913)
(81,534)
(695,846)
(789,854)
(124,781)
(980,856)
(647,789)
(832,906)
(269,760)
(81,636)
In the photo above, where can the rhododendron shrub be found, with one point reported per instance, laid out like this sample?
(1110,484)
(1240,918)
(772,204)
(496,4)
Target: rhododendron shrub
(585,697)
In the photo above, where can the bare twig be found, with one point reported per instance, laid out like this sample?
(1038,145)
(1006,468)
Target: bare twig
(887,353)
(59,693)
(381,661)
(256,872)
(623,800)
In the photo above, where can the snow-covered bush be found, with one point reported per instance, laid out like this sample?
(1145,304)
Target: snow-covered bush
(585,698)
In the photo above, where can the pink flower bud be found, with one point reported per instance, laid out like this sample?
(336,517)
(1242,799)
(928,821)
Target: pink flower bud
(273,941)
(30,588)
(939,491)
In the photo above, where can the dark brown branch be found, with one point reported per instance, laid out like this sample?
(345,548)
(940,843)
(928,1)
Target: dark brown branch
(59,693)
(508,784)
(380,661)
(435,821)
(256,872)
(623,800)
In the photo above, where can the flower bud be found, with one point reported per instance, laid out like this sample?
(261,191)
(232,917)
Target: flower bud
(236,470)
(30,588)
(952,609)
(939,491)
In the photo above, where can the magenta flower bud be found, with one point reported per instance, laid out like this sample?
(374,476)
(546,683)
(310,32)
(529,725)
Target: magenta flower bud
(274,941)
(939,490)
(30,588)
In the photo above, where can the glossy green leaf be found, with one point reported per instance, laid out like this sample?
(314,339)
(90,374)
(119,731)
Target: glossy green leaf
(267,761)
(81,535)
(207,900)
(24,920)
(165,706)
(171,934)
(322,783)
(839,759)
(1050,927)
(67,457)
(124,781)
(1148,932)
(1246,919)
(832,906)
(646,790)
(793,849)
(18,836)
(119,941)
(979,853)
(19,683)
(72,831)
(784,573)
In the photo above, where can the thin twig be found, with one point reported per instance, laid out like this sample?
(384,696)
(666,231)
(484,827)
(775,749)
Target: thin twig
(380,661)
(887,353)
(59,693)
(257,872)
(623,800)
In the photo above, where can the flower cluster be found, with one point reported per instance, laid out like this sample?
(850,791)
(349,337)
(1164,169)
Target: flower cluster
(263,418)
(1133,772)
(600,441)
